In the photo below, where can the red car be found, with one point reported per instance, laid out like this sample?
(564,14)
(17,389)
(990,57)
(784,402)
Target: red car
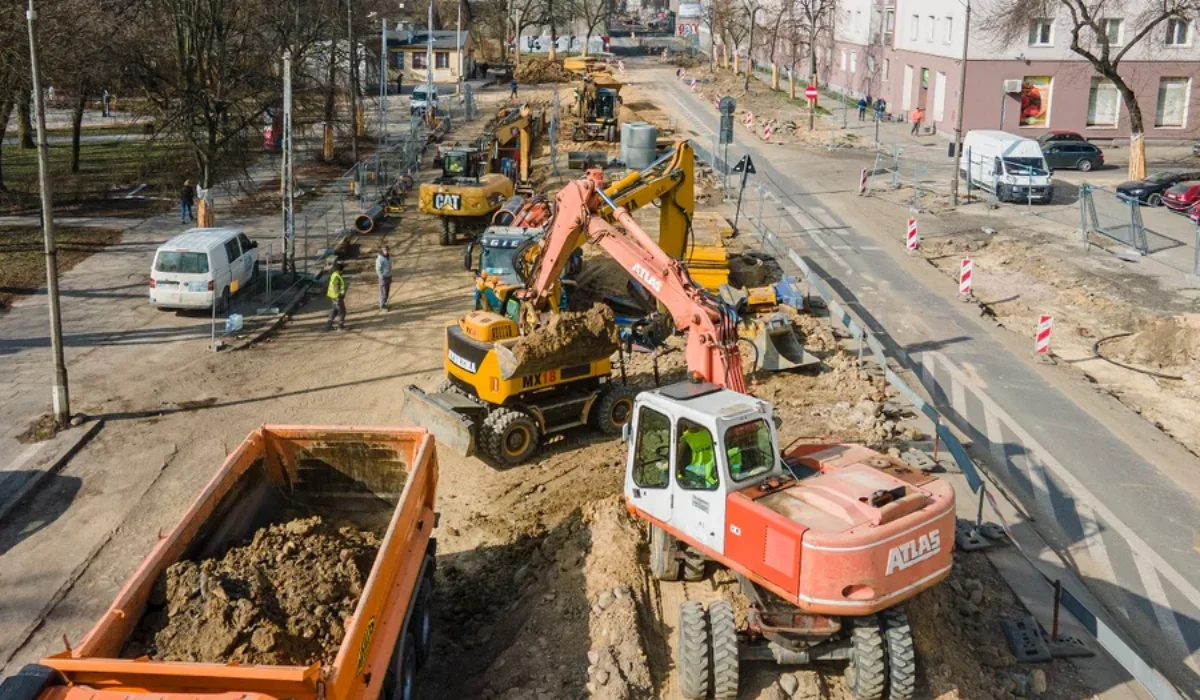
(1182,197)
(1194,214)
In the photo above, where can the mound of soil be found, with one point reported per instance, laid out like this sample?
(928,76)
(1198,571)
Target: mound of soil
(569,338)
(280,599)
(1166,343)
(541,70)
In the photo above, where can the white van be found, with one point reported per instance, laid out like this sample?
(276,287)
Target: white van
(202,263)
(1007,165)
(423,96)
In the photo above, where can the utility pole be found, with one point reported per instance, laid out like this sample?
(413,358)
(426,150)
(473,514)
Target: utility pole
(60,395)
(458,50)
(383,83)
(353,77)
(958,117)
(812,69)
(287,173)
(429,64)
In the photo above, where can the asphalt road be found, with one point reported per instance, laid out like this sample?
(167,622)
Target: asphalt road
(1112,494)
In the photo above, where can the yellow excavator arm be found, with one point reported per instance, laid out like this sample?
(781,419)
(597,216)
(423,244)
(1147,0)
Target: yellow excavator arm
(671,180)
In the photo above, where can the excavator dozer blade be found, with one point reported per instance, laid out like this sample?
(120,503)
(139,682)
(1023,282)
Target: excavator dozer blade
(446,415)
(777,347)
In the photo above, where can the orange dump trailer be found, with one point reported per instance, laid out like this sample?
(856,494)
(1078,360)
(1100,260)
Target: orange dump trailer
(381,480)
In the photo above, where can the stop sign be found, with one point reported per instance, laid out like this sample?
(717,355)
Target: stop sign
(811,92)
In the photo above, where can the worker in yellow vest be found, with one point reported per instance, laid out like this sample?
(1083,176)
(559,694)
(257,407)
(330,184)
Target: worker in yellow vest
(337,295)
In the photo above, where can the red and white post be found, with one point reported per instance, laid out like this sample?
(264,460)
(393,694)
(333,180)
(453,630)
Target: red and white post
(862,182)
(1042,343)
(912,240)
(964,278)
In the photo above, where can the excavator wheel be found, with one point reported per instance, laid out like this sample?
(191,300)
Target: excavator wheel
(449,230)
(509,436)
(694,567)
(664,565)
(901,656)
(692,653)
(722,629)
(613,409)
(577,134)
(866,674)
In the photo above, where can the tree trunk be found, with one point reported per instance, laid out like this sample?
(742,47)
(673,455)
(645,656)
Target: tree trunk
(587,40)
(1137,145)
(76,128)
(24,121)
(5,108)
(330,109)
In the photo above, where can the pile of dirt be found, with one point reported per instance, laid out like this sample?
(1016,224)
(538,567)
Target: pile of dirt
(1161,344)
(280,599)
(684,60)
(569,338)
(44,428)
(541,70)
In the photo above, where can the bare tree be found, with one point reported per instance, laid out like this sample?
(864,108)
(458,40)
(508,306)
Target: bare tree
(593,13)
(525,14)
(1087,23)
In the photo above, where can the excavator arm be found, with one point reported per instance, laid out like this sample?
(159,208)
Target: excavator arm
(710,326)
(671,180)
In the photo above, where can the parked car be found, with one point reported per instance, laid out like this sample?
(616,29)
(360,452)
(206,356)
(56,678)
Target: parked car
(1008,165)
(1058,137)
(1076,155)
(1183,196)
(1150,190)
(1194,214)
(1196,148)
(202,266)
(423,97)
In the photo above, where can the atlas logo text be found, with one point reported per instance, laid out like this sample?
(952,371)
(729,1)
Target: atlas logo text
(905,555)
(644,275)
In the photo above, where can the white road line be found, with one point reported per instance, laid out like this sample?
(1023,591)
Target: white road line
(1037,479)
(995,439)
(26,455)
(1096,549)
(1082,494)
(958,398)
(801,218)
(1162,610)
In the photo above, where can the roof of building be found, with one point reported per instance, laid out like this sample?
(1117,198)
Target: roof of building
(417,38)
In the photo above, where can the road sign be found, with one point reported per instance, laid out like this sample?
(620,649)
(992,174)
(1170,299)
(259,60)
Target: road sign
(728,105)
(811,92)
(745,165)
(726,135)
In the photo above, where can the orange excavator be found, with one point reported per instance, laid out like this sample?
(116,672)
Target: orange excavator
(827,540)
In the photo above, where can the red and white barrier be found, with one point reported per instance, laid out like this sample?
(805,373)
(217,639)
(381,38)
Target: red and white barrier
(1042,343)
(768,127)
(912,241)
(749,120)
(717,104)
(621,66)
(862,182)
(964,277)
(695,83)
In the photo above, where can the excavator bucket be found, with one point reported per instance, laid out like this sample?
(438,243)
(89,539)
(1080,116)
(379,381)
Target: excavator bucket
(775,344)
(569,338)
(447,415)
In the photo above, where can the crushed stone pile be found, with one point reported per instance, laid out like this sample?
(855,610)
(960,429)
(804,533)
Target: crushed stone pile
(280,599)
(541,70)
(569,338)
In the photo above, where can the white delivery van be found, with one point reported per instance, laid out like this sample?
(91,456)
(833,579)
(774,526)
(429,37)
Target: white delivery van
(423,97)
(1007,165)
(201,264)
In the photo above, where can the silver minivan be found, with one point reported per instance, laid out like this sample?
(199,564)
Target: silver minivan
(201,265)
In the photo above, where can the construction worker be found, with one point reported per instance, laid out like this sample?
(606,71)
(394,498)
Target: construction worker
(701,469)
(918,116)
(187,202)
(383,269)
(337,295)
(513,87)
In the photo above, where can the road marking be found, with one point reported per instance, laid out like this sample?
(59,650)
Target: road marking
(958,398)
(800,216)
(26,455)
(1082,493)
(1096,548)
(1162,609)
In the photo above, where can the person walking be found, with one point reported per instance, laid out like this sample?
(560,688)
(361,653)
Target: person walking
(862,108)
(337,295)
(400,83)
(513,86)
(187,202)
(917,116)
(383,269)
(880,108)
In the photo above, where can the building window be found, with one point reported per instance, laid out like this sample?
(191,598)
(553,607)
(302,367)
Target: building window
(887,68)
(1114,30)
(949,31)
(397,61)
(845,59)
(1172,102)
(914,27)
(1041,33)
(1178,33)
(418,60)
(931,29)
(889,25)
(853,61)
(1104,104)
(441,59)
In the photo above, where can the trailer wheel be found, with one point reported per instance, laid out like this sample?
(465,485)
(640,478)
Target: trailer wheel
(449,231)
(867,672)
(510,437)
(693,652)
(901,656)
(400,682)
(723,631)
(612,409)
(422,620)
(664,565)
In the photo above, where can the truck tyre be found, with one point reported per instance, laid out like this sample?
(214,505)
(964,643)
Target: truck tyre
(723,632)
(612,409)
(867,672)
(509,436)
(693,651)
(421,623)
(664,565)
(449,231)
(400,682)
(901,656)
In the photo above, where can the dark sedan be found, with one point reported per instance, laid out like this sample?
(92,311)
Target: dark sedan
(1059,137)
(1150,191)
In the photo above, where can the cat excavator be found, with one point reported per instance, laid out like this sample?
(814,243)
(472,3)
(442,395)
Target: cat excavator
(827,540)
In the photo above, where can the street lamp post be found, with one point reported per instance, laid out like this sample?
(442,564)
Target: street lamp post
(958,117)
(60,394)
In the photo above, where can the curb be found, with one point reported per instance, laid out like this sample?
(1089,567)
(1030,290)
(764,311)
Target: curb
(280,318)
(52,468)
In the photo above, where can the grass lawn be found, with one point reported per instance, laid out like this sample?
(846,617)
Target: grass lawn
(23,267)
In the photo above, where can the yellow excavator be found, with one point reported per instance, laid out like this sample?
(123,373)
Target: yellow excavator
(512,139)
(466,194)
(597,105)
